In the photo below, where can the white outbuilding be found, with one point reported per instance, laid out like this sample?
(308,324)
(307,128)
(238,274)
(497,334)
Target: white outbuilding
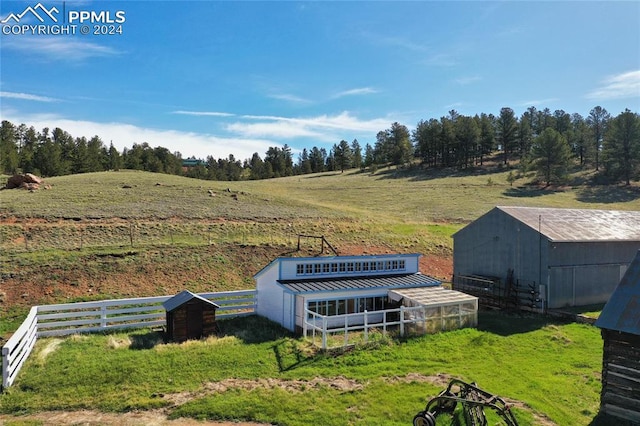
(333,286)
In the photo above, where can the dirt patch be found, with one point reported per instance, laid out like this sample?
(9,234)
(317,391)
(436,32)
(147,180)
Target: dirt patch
(96,418)
(166,270)
(159,417)
(292,386)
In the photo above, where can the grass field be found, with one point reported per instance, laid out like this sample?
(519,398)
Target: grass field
(255,371)
(128,233)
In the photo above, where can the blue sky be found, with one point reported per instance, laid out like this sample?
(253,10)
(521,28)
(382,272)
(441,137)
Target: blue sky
(218,78)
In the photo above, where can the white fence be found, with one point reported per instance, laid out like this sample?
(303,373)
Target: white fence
(105,315)
(342,330)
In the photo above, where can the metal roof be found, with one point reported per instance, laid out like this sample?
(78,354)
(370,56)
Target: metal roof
(432,296)
(622,311)
(359,283)
(579,224)
(182,298)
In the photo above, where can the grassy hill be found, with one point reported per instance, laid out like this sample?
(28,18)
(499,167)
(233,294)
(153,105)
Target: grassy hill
(132,233)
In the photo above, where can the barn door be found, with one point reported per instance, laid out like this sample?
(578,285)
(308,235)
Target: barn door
(194,320)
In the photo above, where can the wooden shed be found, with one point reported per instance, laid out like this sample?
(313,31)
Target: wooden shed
(190,316)
(620,325)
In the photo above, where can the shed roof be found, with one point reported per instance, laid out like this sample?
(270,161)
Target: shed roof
(432,296)
(359,283)
(622,311)
(182,298)
(579,224)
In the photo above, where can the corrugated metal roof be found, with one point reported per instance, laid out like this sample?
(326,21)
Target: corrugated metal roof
(622,311)
(183,297)
(359,283)
(432,296)
(579,224)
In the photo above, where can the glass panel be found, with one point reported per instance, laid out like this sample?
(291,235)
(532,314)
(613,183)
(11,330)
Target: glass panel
(351,306)
(331,307)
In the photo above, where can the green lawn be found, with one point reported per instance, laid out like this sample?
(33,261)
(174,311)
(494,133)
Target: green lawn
(552,368)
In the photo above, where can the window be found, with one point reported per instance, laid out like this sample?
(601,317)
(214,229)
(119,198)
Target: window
(299,269)
(308,269)
(325,268)
(401,264)
(394,265)
(350,267)
(365,266)
(343,267)
(358,266)
(334,267)
(373,266)
(316,268)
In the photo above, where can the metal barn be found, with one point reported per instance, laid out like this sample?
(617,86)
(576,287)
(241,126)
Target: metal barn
(620,324)
(333,286)
(190,316)
(545,257)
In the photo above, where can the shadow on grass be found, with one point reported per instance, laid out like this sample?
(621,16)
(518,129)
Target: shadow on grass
(506,324)
(419,173)
(289,355)
(146,340)
(252,329)
(608,194)
(524,192)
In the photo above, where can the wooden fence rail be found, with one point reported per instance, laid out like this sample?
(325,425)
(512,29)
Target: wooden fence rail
(100,316)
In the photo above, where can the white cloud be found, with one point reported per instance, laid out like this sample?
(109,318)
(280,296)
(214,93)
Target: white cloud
(58,48)
(323,127)
(204,113)
(124,135)
(290,98)
(625,85)
(352,92)
(27,97)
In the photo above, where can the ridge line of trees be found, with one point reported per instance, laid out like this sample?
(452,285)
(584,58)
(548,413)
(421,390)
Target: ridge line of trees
(540,140)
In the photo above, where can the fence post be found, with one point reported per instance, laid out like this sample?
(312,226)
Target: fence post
(366,326)
(103,316)
(5,367)
(401,320)
(324,333)
(346,330)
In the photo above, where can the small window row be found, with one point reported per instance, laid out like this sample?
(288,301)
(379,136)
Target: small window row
(349,267)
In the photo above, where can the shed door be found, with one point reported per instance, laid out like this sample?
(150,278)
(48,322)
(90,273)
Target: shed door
(194,320)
